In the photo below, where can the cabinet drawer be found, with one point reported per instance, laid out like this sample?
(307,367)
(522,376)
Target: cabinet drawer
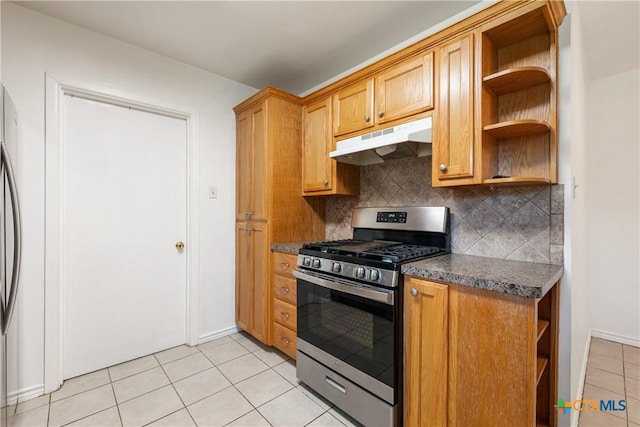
(284,339)
(285,314)
(285,289)
(284,263)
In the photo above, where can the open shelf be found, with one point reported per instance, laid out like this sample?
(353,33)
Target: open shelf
(517,180)
(542,326)
(517,128)
(541,364)
(515,79)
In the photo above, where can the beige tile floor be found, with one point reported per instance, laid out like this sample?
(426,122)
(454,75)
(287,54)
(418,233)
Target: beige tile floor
(232,381)
(613,372)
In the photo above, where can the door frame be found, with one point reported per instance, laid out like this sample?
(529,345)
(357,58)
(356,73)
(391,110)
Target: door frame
(55,90)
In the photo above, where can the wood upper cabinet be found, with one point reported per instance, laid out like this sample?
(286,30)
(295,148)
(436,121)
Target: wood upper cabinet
(353,107)
(518,78)
(317,166)
(478,357)
(453,144)
(426,308)
(252,284)
(321,175)
(251,164)
(404,89)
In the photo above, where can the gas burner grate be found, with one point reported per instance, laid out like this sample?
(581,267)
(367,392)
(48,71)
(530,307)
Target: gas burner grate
(401,252)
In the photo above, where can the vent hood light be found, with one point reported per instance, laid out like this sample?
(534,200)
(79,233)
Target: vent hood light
(412,139)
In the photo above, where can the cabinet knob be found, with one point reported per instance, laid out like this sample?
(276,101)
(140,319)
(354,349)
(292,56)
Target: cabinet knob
(284,265)
(442,167)
(413,292)
(325,182)
(284,315)
(367,118)
(380,113)
(284,340)
(284,289)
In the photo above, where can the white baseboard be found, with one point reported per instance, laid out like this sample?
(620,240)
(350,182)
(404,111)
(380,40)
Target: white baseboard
(583,376)
(218,334)
(25,394)
(596,333)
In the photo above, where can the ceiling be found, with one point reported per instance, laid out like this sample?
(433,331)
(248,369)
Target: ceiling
(292,45)
(298,45)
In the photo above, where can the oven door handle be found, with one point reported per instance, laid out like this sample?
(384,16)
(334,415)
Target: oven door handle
(385,297)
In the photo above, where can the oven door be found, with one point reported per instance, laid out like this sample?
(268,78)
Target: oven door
(351,328)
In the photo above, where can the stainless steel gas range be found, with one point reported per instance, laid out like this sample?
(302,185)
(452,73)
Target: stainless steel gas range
(350,308)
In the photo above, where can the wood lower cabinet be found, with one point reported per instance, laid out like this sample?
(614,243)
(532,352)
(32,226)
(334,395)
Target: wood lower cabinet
(491,360)
(269,206)
(426,307)
(321,175)
(252,286)
(285,316)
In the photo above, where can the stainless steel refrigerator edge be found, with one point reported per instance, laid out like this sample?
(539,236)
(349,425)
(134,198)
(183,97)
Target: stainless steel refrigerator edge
(10,233)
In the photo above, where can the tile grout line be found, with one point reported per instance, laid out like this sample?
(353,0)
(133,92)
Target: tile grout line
(115,399)
(176,391)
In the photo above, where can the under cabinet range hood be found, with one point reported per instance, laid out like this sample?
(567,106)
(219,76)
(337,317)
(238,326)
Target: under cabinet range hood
(412,139)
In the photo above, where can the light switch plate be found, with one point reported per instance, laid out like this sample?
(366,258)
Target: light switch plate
(213,192)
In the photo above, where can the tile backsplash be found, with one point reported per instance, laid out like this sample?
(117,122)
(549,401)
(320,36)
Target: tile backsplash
(519,223)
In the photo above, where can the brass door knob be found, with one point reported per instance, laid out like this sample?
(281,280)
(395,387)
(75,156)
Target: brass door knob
(180,246)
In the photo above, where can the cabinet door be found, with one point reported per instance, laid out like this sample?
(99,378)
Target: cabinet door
(244,165)
(244,276)
(405,89)
(317,166)
(454,137)
(252,287)
(425,353)
(251,164)
(353,108)
(259,178)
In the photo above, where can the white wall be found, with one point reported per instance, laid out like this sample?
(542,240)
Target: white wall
(574,312)
(614,205)
(33,44)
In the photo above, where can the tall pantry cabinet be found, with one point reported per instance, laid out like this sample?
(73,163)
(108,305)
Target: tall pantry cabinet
(269,208)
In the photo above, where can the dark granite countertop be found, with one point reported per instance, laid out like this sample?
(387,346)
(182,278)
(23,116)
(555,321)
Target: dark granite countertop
(289,248)
(524,279)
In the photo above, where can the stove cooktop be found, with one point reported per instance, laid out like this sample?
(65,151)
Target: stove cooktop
(376,250)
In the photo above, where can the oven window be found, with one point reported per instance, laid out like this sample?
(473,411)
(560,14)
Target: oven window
(354,329)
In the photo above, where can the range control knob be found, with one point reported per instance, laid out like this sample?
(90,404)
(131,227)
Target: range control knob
(306,262)
(374,275)
(336,267)
(316,263)
(360,272)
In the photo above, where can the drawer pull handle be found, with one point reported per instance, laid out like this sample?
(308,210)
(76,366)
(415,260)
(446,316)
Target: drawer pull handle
(284,341)
(284,265)
(284,315)
(284,289)
(333,383)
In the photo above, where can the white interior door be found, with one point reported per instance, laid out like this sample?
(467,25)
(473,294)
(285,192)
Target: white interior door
(124,206)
